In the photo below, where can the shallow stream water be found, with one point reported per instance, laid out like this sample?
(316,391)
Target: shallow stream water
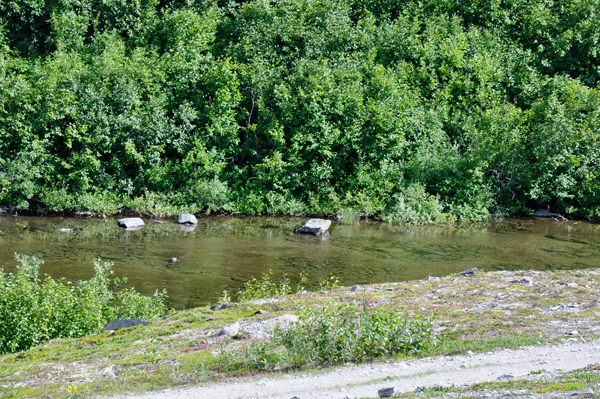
(221,253)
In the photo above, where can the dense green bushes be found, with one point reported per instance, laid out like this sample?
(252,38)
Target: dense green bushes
(34,311)
(414,112)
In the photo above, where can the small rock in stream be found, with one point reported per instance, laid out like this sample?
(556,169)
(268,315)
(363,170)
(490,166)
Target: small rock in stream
(130,223)
(187,218)
(315,227)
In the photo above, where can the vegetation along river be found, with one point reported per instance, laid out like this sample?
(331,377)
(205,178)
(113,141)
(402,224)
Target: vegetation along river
(221,253)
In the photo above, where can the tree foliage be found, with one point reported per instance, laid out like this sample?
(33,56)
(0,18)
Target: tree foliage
(412,111)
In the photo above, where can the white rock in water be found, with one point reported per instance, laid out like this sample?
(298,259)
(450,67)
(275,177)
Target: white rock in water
(130,223)
(230,330)
(315,227)
(187,218)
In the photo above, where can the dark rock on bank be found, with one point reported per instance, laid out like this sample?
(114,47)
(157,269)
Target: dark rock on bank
(117,324)
(469,272)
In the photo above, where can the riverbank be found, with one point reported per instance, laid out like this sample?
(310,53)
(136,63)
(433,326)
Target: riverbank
(478,313)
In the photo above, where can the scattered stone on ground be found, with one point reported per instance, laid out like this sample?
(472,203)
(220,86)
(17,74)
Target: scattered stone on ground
(315,227)
(117,324)
(266,329)
(173,260)
(230,330)
(158,222)
(524,281)
(469,272)
(187,218)
(356,287)
(219,307)
(63,230)
(130,223)
(388,392)
(431,278)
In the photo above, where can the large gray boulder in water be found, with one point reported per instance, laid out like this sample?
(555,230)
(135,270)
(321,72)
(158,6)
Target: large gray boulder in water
(131,223)
(187,218)
(315,227)
(117,324)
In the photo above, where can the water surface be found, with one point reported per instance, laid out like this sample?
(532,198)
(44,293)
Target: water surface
(223,252)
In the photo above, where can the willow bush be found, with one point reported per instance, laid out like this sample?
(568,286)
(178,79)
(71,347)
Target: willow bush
(34,311)
(410,111)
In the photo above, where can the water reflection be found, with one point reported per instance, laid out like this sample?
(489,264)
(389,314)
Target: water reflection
(222,252)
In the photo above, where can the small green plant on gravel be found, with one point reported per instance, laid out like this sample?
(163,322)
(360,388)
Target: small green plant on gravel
(330,284)
(334,335)
(35,311)
(225,298)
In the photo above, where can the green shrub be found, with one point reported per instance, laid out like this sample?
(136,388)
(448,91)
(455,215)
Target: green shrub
(334,335)
(34,311)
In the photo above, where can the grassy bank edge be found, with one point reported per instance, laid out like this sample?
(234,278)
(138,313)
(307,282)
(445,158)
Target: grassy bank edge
(480,313)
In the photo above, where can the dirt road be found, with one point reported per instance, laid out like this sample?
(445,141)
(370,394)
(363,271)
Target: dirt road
(365,380)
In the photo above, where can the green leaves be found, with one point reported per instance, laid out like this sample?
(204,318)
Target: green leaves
(34,311)
(411,112)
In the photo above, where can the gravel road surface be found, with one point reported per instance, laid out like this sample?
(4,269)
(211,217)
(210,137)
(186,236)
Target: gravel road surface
(364,381)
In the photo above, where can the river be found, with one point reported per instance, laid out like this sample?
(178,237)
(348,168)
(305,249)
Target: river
(221,253)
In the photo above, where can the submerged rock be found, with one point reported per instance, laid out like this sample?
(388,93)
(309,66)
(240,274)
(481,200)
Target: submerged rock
(83,214)
(187,218)
(545,213)
(130,223)
(117,324)
(315,227)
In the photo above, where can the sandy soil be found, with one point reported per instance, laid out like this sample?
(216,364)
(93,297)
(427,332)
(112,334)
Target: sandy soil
(365,380)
